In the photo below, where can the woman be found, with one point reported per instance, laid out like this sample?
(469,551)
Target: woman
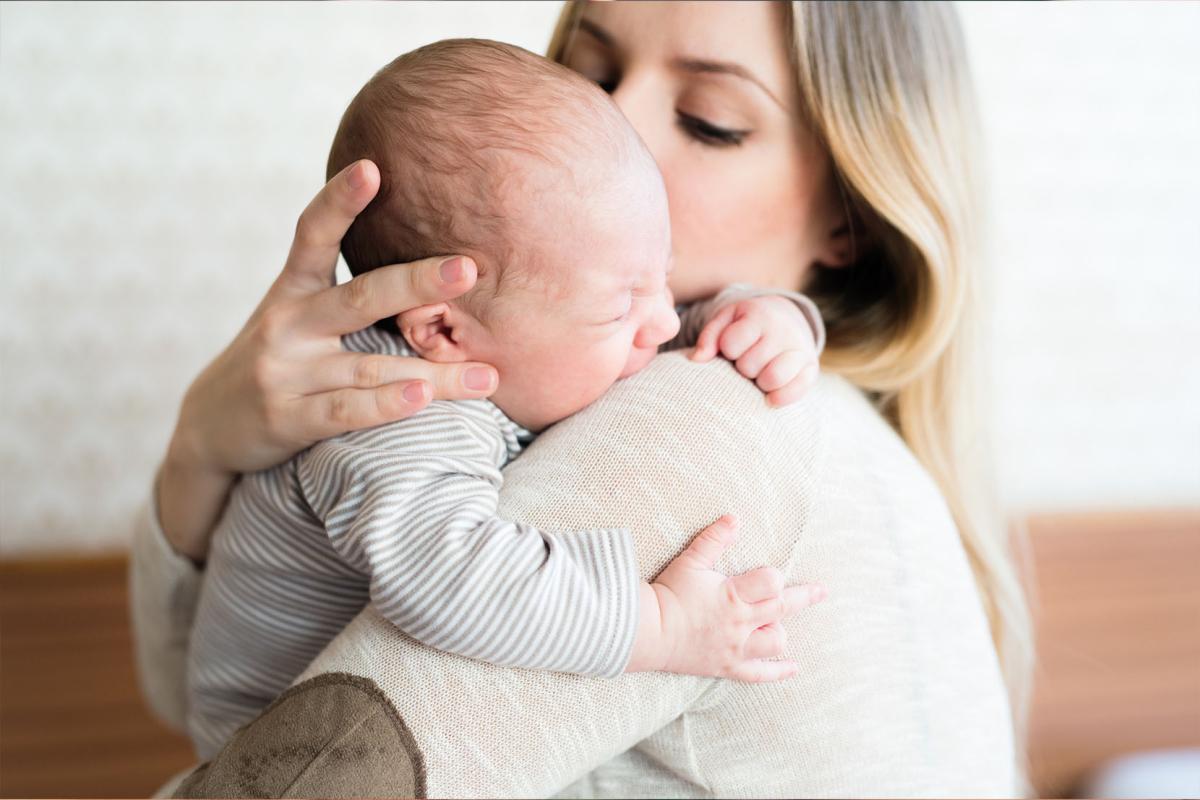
(813,146)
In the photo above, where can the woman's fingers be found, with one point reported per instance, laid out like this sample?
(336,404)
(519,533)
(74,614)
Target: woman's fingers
(388,291)
(313,257)
(335,413)
(465,381)
(758,585)
(768,641)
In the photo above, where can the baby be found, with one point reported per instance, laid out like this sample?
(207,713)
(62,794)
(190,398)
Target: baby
(531,171)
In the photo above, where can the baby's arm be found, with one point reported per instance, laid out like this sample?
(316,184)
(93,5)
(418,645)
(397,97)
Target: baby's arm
(412,505)
(774,337)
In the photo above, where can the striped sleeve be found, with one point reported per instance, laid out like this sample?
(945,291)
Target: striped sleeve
(693,317)
(413,506)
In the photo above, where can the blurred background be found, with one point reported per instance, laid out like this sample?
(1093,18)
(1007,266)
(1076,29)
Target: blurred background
(155,157)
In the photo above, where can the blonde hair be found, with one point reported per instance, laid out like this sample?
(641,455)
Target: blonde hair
(886,87)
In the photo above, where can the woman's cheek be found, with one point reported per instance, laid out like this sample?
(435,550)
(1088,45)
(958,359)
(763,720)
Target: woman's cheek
(713,229)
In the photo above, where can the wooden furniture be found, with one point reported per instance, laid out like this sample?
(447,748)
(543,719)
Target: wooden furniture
(1117,602)
(1119,633)
(72,721)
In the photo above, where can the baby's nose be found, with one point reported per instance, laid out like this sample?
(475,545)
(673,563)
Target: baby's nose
(661,327)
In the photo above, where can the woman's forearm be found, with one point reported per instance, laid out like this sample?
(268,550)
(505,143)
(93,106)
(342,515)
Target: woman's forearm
(190,498)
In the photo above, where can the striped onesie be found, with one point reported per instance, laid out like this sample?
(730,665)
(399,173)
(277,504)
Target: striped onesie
(404,516)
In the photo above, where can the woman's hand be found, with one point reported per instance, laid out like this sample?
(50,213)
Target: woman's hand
(696,621)
(285,382)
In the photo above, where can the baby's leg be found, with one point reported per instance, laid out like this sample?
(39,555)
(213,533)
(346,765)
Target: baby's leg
(274,594)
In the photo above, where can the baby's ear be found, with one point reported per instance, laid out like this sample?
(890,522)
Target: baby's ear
(431,331)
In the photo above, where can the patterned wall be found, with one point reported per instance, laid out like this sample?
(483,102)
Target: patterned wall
(154,158)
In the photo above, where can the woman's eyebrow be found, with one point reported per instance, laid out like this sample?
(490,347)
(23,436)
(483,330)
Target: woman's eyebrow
(697,65)
(693,65)
(602,35)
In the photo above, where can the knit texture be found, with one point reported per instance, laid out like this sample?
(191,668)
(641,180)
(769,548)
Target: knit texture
(899,691)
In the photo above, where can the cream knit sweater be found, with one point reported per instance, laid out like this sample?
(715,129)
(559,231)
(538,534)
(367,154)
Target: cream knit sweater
(899,691)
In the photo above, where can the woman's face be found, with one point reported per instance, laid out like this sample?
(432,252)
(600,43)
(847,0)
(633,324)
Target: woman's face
(709,88)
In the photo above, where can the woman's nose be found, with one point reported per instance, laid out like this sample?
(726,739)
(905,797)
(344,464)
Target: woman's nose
(642,104)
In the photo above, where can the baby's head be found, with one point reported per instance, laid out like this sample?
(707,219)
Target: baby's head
(489,151)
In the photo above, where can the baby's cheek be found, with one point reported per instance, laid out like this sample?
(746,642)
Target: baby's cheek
(580,376)
(639,357)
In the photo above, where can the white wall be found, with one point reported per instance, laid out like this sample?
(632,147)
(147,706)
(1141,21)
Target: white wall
(1092,112)
(153,160)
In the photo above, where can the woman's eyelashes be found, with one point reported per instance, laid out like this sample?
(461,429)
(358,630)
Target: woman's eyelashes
(705,132)
(696,128)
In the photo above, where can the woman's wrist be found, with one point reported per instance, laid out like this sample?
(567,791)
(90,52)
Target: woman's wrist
(190,496)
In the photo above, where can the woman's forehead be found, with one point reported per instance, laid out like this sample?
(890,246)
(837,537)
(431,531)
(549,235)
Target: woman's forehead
(748,35)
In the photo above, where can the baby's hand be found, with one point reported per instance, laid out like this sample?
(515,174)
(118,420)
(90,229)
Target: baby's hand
(713,625)
(771,342)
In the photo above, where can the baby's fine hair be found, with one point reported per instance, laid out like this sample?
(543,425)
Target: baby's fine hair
(450,126)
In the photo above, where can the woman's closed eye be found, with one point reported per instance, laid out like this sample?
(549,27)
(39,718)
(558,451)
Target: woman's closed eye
(696,128)
(707,133)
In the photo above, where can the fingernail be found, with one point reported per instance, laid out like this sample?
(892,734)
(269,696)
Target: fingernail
(478,379)
(452,270)
(819,594)
(415,392)
(357,176)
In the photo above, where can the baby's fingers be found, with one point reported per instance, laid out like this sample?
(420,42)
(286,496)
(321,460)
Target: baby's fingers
(756,359)
(764,671)
(795,389)
(709,545)
(706,342)
(758,585)
(798,598)
(787,604)
(784,368)
(766,642)
(739,337)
